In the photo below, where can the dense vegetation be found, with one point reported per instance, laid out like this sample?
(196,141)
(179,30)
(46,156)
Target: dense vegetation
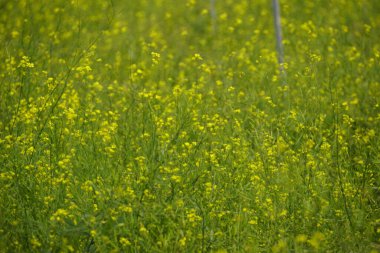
(166,126)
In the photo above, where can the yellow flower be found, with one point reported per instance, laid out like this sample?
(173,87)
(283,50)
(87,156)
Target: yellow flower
(124,241)
(182,241)
(301,238)
(316,239)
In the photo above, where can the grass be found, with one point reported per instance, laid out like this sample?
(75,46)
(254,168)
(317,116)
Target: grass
(164,126)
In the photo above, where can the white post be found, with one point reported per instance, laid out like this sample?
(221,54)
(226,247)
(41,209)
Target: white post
(213,15)
(277,24)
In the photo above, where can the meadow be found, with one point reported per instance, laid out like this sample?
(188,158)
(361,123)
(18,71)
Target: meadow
(167,126)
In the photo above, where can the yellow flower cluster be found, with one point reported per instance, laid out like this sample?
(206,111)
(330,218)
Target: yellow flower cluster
(119,135)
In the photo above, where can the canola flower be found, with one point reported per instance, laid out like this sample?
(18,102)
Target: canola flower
(119,135)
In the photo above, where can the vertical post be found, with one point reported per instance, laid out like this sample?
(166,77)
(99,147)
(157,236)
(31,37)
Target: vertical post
(213,15)
(277,25)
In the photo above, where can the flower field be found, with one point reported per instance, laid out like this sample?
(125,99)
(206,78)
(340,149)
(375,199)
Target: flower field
(167,126)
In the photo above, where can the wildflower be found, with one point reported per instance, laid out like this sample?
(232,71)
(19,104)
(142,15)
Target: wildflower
(301,238)
(124,241)
(197,57)
(182,241)
(25,63)
(59,215)
(316,240)
(253,221)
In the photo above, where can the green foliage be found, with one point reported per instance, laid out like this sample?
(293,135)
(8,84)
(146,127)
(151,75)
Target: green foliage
(146,126)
